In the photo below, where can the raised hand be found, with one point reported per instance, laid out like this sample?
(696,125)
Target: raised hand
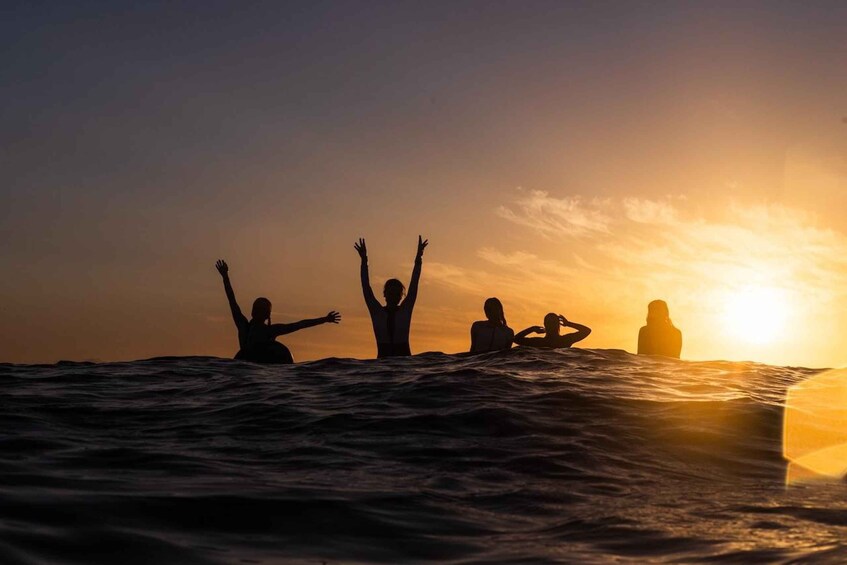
(333,317)
(361,248)
(422,243)
(563,321)
(222,267)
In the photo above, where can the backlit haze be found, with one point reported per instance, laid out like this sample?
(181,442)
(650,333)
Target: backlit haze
(582,158)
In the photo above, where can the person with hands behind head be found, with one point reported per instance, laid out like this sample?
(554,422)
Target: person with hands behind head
(257,336)
(552,339)
(392,322)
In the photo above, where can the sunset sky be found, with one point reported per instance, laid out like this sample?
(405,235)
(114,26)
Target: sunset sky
(583,158)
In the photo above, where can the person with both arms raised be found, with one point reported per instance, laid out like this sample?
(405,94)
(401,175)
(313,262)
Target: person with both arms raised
(552,339)
(391,323)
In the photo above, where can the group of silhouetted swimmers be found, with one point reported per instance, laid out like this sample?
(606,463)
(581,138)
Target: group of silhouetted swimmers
(392,322)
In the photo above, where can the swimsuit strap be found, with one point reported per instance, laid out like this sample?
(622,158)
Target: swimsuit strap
(391,314)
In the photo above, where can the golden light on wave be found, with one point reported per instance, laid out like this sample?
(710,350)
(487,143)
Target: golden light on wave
(756,314)
(814,436)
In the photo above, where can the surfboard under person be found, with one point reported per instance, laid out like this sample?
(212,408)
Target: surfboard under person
(392,322)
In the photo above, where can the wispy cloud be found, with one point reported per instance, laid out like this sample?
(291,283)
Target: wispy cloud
(556,216)
(659,236)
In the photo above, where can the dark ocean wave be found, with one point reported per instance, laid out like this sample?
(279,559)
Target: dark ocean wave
(521,456)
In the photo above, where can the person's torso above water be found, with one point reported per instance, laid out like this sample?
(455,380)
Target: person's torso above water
(488,336)
(660,339)
(254,334)
(391,325)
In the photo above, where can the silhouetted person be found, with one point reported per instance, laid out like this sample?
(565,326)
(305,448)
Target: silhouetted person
(659,336)
(391,322)
(491,334)
(552,339)
(257,337)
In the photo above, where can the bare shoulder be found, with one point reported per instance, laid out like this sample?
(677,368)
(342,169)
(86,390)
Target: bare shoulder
(477,326)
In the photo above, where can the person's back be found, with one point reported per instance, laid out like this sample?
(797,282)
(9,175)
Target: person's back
(392,325)
(659,336)
(492,334)
(257,343)
(489,336)
(552,339)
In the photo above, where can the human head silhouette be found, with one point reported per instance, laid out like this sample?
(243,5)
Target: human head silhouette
(261,309)
(393,292)
(657,312)
(551,324)
(494,311)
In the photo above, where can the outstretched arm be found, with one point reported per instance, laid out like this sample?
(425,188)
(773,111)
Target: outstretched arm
(282,329)
(580,333)
(237,316)
(367,291)
(412,295)
(521,337)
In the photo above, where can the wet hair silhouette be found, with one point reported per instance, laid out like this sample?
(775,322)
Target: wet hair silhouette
(551,324)
(493,333)
(392,322)
(552,339)
(657,311)
(261,309)
(257,336)
(393,291)
(493,309)
(659,336)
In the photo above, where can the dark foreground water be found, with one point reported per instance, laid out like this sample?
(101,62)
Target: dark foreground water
(521,456)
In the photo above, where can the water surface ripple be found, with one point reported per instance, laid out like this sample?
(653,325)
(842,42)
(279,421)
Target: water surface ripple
(521,456)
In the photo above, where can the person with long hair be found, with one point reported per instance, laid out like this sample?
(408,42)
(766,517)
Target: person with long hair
(659,336)
(493,333)
(257,336)
(392,322)
(552,339)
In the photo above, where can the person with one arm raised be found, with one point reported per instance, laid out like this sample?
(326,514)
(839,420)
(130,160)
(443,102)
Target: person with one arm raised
(552,339)
(392,322)
(257,336)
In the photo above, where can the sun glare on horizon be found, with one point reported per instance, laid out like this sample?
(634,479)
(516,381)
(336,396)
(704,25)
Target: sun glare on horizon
(756,315)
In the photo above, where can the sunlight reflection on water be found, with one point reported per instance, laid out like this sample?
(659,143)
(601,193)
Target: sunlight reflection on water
(815,428)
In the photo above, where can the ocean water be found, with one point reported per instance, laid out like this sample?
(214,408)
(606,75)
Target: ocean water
(521,457)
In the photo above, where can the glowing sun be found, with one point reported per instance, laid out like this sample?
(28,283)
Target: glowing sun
(756,314)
